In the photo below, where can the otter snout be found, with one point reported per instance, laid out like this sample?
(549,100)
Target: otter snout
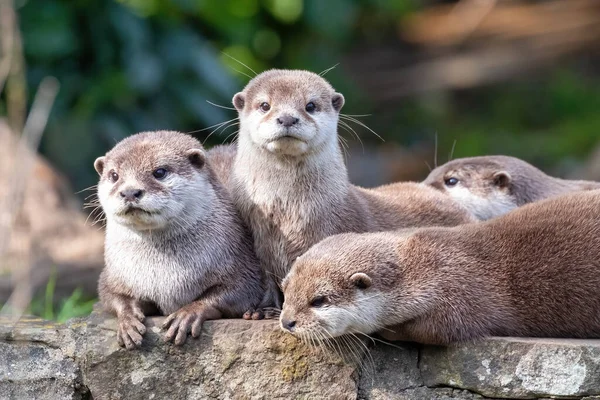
(287,120)
(288,325)
(131,195)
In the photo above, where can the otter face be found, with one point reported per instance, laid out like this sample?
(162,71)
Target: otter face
(337,288)
(153,180)
(289,113)
(483,190)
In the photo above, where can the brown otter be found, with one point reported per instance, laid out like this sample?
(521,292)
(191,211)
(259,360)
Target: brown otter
(289,180)
(532,272)
(174,241)
(489,186)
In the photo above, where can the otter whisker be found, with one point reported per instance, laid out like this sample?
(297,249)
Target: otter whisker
(350,129)
(220,106)
(452,151)
(212,126)
(222,128)
(374,339)
(232,134)
(87,188)
(356,121)
(353,349)
(435,149)
(323,73)
(358,115)
(428,166)
(91,195)
(238,61)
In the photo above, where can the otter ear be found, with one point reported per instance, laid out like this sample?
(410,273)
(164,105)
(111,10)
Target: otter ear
(337,101)
(239,101)
(99,165)
(361,280)
(502,179)
(196,157)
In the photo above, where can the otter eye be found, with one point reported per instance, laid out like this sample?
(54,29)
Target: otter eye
(264,106)
(451,181)
(113,176)
(311,107)
(159,173)
(318,301)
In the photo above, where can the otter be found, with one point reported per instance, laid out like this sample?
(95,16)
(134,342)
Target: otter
(289,180)
(532,272)
(174,241)
(489,186)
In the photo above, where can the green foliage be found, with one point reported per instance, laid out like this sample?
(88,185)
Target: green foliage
(60,310)
(132,65)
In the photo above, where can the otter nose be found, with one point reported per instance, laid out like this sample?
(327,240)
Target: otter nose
(288,325)
(131,194)
(287,120)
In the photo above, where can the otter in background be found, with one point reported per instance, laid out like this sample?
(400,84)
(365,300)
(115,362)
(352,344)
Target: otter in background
(174,242)
(532,272)
(489,186)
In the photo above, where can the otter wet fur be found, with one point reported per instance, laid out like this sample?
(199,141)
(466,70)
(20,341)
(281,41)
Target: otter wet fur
(174,242)
(289,180)
(489,186)
(532,272)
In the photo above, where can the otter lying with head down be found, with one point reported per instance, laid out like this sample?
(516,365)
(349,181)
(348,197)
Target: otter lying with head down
(533,272)
(174,242)
(490,186)
(289,180)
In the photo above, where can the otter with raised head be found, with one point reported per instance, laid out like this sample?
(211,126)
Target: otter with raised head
(174,241)
(532,272)
(289,180)
(489,186)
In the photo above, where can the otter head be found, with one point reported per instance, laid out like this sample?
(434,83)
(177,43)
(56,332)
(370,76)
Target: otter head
(341,286)
(154,180)
(479,184)
(288,113)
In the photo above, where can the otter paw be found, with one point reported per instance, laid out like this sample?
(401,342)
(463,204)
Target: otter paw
(131,330)
(261,313)
(254,314)
(180,323)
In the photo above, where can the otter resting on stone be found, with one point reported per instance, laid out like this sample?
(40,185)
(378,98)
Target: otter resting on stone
(532,272)
(174,243)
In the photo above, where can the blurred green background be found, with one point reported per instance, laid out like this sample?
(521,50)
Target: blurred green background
(132,65)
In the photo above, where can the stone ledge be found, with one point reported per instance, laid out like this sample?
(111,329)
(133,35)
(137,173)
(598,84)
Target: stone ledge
(236,359)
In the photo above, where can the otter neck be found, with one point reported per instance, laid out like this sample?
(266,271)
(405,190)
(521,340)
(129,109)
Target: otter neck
(268,177)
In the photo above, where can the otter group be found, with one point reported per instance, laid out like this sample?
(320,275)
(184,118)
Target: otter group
(231,232)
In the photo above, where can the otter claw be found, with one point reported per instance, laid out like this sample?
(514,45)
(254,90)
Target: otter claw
(130,332)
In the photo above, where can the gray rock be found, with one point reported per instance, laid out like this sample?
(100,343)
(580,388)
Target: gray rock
(516,367)
(34,366)
(233,359)
(236,359)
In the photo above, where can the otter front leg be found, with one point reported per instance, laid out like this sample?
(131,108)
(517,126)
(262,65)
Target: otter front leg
(130,318)
(189,318)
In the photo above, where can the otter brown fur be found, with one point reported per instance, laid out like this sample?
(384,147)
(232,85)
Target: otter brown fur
(174,241)
(489,186)
(532,272)
(289,180)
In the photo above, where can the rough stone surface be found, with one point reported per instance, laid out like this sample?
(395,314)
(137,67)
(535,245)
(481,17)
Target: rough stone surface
(517,367)
(235,359)
(34,364)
